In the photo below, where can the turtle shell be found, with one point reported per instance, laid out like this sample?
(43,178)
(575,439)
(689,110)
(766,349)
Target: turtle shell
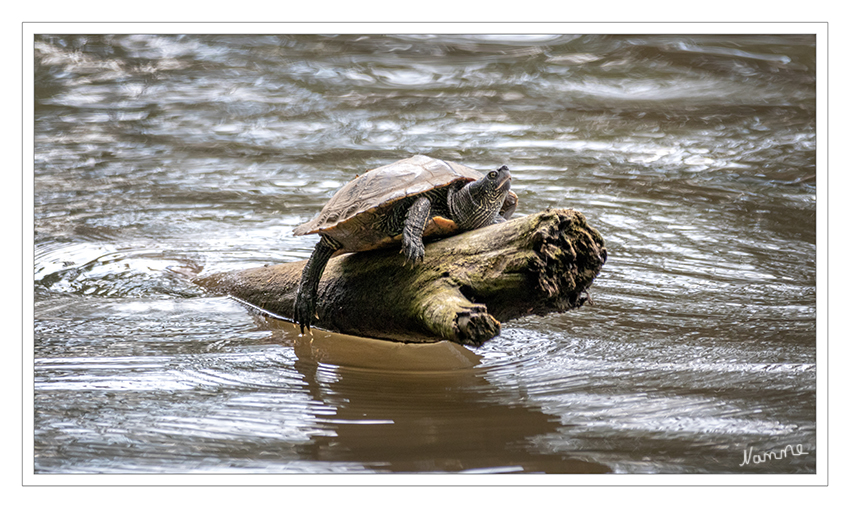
(352,212)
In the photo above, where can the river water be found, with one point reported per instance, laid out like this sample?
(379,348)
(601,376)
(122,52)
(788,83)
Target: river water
(158,158)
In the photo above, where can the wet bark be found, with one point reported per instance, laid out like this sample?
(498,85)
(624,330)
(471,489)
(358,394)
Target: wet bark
(465,286)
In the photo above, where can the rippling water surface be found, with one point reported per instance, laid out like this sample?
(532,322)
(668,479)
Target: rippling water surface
(162,157)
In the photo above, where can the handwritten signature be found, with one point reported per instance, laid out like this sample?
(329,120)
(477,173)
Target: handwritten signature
(789,450)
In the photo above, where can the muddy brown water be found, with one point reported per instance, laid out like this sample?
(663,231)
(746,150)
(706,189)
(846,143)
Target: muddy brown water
(158,157)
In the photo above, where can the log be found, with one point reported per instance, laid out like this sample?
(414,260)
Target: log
(465,286)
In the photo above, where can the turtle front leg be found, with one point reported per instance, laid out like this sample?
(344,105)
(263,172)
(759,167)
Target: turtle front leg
(411,238)
(305,298)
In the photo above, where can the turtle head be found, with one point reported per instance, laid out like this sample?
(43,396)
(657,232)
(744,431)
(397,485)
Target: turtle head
(478,202)
(489,191)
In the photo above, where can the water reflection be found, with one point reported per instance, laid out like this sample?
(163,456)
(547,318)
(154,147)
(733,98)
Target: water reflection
(424,408)
(340,404)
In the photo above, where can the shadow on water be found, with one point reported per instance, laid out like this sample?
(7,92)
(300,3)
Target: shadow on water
(419,407)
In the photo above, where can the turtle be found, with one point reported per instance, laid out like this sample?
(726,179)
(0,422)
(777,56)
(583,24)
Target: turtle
(401,202)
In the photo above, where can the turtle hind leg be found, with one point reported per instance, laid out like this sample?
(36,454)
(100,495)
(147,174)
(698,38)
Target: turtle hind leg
(414,225)
(305,298)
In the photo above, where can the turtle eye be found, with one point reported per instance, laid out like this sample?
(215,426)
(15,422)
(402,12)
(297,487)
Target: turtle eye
(492,175)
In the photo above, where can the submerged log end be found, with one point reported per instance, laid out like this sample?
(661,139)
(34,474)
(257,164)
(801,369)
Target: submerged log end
(446,313)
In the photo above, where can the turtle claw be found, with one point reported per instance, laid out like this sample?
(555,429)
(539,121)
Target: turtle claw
(414,251)
(305,312)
